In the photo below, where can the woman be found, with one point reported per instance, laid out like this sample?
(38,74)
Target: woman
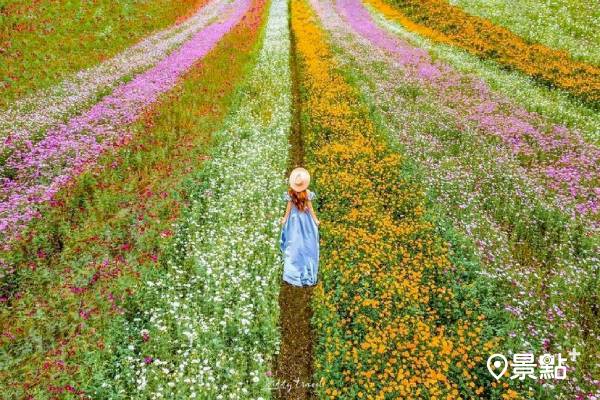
(300,234)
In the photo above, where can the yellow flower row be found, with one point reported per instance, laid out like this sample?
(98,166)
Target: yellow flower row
(378,334)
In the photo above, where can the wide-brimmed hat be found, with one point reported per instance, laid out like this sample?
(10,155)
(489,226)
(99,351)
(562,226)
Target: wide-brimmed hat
(299,179)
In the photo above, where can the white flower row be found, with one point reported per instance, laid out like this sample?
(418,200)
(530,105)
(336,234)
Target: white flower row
(212,317)
(48,107)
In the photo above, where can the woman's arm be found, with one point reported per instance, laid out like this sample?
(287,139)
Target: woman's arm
(312,211)
(287,212)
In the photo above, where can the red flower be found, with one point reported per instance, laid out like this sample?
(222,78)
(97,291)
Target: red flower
(84,314)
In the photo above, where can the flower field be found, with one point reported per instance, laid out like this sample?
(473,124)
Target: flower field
(446,23)
(108,230)
(545,22)
(40,43)
(373,313)
(210,318)
(453,148)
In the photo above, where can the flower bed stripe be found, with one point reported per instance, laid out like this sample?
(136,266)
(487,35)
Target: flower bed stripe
(211,317)
(77,266)
(32,175)
(27,117)
(386,320)
(444,22)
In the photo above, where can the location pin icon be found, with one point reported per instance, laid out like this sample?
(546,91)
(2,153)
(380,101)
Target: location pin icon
(495,362)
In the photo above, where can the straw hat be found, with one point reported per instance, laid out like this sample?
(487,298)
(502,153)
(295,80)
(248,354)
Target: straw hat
(299,179)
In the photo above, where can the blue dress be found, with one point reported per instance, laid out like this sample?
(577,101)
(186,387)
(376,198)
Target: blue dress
(299,244)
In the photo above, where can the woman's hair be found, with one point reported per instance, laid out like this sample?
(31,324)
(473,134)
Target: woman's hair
(299,199)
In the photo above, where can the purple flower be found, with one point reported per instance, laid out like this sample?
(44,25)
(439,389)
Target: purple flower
(546,344)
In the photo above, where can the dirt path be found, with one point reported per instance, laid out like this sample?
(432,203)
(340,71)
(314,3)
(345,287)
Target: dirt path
(293,367)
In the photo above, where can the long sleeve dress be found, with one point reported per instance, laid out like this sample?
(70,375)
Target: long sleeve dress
(299,244)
